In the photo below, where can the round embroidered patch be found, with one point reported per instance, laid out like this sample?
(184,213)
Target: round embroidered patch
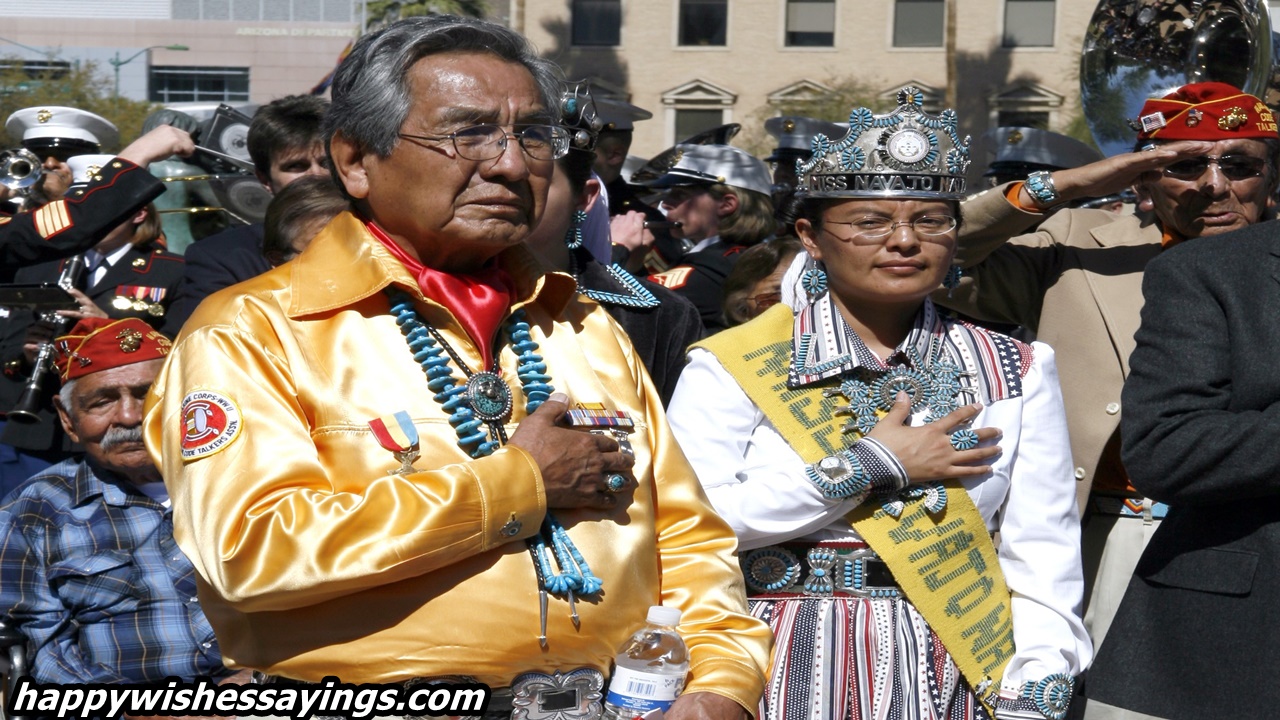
(210,422)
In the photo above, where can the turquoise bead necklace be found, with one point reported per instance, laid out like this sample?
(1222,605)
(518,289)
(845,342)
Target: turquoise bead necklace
(485,400)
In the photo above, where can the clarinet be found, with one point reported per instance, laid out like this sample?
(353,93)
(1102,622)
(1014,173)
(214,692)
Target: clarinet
(28,406)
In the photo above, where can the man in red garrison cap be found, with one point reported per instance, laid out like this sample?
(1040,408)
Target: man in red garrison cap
(89,571)
(1204,164)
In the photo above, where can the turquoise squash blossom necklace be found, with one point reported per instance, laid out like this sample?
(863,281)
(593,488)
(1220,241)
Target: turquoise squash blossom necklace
(935,384)
(485,400)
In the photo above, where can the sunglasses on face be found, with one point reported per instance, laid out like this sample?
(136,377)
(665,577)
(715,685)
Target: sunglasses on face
(1233,167)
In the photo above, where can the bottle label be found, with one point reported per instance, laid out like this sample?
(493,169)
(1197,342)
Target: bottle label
(639,692)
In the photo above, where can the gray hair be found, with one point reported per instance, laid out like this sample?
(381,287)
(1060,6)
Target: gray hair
(64,395)
(371,96)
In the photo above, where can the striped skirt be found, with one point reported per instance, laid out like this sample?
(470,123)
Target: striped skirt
(850,658)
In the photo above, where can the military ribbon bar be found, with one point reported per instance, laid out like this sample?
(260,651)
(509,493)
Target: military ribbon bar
(599,418)
(141,292)
(395,433)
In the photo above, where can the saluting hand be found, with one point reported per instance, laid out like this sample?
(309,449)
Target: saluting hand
(1115,174)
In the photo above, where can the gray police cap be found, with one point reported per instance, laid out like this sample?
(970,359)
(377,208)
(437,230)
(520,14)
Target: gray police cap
(1030,146)
(619,114)
(796,133)
(724,164)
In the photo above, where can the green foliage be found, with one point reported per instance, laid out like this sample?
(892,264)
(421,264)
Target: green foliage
(81,87)
(846,94)
(1078,128)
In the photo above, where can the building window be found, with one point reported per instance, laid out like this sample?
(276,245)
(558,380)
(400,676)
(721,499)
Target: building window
(37,69)
(170,84)
(704,22)
(597,22)
(1028,23)
(186,9)
(1023,118)
(811,23)
(692,122)
(255,10)
(918,23)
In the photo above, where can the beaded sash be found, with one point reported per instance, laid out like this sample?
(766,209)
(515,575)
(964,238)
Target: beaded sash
(943,560)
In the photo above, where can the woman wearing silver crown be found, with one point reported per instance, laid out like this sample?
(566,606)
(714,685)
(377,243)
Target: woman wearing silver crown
(866,448)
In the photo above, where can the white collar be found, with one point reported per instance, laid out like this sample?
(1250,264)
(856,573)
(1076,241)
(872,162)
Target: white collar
(704,243)
(110,259)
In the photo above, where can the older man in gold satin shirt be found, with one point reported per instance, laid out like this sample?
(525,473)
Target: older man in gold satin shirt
(328,541)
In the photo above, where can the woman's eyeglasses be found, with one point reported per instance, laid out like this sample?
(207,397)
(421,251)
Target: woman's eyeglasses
(1233,167)
(764,301)
(875,228)
(486,142)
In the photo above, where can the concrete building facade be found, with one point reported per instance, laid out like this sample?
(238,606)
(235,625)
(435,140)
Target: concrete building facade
(696,63)
(238,50)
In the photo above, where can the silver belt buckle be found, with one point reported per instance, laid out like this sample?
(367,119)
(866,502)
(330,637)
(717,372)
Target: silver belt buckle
(574,695)
(852,576)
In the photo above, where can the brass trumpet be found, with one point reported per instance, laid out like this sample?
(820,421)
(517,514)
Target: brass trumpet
(20,170)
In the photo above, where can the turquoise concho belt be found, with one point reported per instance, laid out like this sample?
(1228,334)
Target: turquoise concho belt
(827,569)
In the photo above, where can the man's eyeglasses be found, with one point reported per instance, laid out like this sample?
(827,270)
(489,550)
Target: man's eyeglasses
(486,142)
(874,228)
(1233,167)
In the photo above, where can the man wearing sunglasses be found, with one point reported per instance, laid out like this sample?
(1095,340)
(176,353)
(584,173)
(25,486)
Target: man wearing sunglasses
(1204,164)
(373,466)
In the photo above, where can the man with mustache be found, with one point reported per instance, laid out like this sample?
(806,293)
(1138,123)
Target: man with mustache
(89,570)
(1205,163)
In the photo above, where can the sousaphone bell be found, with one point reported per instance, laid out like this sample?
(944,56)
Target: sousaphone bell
(1138,49)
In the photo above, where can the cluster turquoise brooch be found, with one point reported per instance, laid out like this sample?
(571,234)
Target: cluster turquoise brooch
(935,386)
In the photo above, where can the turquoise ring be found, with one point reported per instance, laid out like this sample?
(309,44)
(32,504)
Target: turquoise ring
(615,483)
(965,439)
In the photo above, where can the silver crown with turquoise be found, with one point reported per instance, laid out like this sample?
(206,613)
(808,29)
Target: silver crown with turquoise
(903,154)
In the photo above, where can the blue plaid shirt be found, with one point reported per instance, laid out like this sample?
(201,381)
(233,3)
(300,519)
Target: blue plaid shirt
(90,572)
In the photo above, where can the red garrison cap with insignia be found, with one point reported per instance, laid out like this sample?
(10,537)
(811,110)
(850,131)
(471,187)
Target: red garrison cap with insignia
(1206,111)
(97,344)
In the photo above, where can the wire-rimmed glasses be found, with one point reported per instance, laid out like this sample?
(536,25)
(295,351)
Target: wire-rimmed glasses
(487,141)
(875,228)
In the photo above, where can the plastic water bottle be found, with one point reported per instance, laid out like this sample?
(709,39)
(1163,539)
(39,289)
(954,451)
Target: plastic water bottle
(650,668)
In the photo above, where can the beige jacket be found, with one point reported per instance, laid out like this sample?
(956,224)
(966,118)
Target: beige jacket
(1076,282)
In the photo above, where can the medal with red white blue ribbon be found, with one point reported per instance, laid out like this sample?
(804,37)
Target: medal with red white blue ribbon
(398,434)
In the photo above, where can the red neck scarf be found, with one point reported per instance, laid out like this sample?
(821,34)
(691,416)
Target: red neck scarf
(479,301)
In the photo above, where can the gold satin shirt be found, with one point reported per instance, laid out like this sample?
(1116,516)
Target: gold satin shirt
(315,561)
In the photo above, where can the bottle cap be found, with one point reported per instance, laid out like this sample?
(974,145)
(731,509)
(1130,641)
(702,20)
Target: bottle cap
(659,615)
